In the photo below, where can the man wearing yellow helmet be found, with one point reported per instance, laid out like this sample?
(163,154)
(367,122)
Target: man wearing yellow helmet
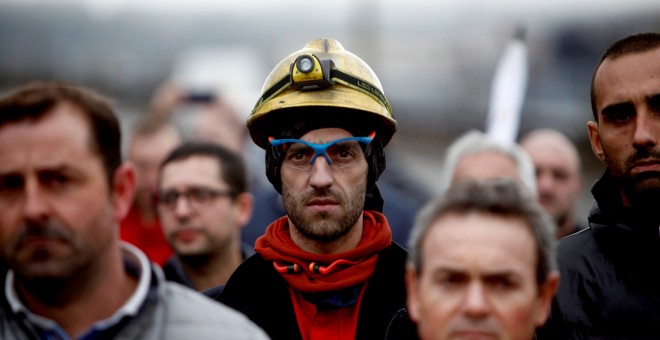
(328,269)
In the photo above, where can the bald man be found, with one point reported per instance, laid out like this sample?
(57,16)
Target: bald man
(558,176)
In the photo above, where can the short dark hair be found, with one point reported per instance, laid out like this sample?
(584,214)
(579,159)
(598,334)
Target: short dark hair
(232,167)
(636,43)
(503,197)
(35,100)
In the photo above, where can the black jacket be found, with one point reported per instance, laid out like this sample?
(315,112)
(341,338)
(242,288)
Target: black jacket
(260,292)
(610,274)
(173,269)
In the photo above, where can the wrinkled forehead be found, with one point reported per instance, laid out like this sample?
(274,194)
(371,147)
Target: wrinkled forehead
(480,240)
(58,139)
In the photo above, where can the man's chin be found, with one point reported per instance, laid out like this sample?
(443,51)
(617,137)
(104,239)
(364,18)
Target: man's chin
(42,271)
(644,190)
(195,259)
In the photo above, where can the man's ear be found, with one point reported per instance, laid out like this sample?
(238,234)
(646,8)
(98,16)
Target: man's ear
(412,297)
(546,294)
(244,205)
(123,189)
(594,138)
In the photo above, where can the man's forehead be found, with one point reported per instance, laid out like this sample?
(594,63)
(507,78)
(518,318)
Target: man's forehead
(551,150)
(627,68)
(479,237)
(58,139)
(324,135)
(194,166)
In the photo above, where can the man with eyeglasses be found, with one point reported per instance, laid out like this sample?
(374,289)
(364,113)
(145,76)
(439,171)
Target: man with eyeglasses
(328,269)
(203,202)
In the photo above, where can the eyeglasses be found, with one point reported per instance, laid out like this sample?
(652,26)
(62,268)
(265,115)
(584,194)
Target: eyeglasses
(197,197)
(339,153)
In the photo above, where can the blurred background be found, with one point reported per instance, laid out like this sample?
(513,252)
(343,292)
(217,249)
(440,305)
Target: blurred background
(435,59)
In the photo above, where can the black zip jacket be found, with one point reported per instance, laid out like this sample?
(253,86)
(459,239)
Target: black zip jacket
(610,273)
(261,293)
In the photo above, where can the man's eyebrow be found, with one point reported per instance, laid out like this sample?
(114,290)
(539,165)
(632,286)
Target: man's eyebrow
(617,107)
(60,168)
(446,269)
(653,98)
(500,273)
(8,172)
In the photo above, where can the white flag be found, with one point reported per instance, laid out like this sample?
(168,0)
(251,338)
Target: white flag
(508,91)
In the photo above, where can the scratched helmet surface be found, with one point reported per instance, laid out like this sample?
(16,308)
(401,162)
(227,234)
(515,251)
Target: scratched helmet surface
(325,76)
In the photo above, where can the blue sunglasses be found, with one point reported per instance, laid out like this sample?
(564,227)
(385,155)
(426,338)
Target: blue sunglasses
(338,153)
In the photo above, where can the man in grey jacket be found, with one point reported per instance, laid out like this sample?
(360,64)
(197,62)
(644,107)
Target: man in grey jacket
(63,190)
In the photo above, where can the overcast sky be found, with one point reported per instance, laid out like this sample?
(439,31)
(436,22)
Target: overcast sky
(390,8)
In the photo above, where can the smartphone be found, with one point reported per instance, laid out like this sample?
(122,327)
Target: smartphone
(200,97)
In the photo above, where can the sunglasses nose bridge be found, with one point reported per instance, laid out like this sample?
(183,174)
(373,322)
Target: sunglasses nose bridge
(317,153)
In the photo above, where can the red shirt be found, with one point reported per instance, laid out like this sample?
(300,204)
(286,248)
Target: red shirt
(146,236)
(339,324)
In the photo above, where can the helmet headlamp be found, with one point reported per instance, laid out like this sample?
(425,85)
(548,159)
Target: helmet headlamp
(305,63)
(310,73)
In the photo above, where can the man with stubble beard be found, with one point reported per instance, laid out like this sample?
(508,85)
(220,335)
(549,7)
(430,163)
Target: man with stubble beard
(63,191)
(609,287)
(329,268)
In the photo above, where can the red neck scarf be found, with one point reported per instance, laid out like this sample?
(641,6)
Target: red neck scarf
(313,273)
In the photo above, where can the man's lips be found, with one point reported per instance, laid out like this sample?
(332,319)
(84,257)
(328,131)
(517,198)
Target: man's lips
(322,204)
(473,334)
(645,166)
(39,241)
(186,235)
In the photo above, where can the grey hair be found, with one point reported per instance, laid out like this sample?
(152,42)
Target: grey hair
(473,142)
(502,196)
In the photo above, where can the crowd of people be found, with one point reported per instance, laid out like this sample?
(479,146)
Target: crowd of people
(182,239)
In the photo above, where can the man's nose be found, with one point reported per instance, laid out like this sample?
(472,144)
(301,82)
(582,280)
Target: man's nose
(182,206)
(545,181)
(36,205)
(321,173)
(476,303)
(646,128)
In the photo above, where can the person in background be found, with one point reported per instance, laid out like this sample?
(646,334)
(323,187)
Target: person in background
(609,286)
(152,139)
(329,268)
(203,203)
(558,176)
(63,191)
(205,115)
(482,263)
(475,155)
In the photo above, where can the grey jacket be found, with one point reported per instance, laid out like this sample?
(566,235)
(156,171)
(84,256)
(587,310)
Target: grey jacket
(171,311)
